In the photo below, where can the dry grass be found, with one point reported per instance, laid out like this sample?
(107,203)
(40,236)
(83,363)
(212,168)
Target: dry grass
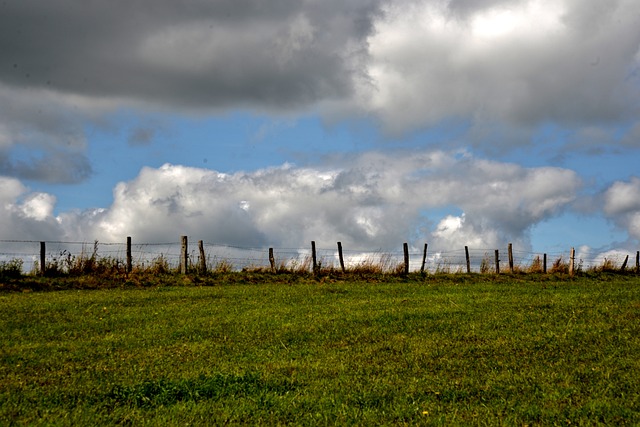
(536,265)
(89,263)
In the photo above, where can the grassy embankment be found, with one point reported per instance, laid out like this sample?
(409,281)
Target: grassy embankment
(275,349)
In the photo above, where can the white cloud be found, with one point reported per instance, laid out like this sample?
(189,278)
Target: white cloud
(25,215)
(38,206)
(368,201)
(622,205)
(518,63)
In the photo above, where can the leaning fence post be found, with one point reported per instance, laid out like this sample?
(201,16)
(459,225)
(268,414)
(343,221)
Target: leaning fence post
(129,266)
(43,253)
(497,261)
(510,249)
(203,259)
(340,257)
(624,264)
(424,258)
(466,254)
(183,256)
(272,260)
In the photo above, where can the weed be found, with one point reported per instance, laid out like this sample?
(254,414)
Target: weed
(536,265)
(223,266)
(485,264)
(11,269)
(608,265)
(159,265)
(560,266)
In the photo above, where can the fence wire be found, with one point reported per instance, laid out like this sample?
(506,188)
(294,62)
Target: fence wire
(238,258)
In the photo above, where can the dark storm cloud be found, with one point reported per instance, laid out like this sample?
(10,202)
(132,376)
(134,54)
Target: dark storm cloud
(196,54)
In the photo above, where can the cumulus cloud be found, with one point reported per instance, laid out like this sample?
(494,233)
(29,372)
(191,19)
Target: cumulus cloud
(516,62)
(369,201)
(26,215)
(622,205)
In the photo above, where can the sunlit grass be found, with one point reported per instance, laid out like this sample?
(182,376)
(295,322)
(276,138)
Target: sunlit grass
(432,350)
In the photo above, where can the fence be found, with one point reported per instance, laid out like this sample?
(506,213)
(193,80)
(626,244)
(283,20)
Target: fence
(36,256)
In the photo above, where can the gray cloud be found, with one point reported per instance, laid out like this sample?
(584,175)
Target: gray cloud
(200,54)
(54,166)
(521,61)
(66,64)
(505,67)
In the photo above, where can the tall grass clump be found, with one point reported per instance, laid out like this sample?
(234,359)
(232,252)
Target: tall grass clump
(536,265)
(560,265)
(382,263)
(485,264)
(86,263)
(11,269)
(608,265)
(223,266)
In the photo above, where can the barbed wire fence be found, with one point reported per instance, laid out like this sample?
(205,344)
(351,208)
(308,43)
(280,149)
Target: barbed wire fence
(35,256)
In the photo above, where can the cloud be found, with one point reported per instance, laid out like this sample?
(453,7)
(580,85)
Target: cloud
(42,136)
(204,54)
(66,66)
(368,201)
(515,63)
(622,205)
(26,215)
(55,166)
(504,67)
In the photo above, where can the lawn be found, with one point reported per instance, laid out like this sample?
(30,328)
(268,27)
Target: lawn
(455,350)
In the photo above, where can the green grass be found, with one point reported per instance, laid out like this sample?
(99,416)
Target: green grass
(433,350)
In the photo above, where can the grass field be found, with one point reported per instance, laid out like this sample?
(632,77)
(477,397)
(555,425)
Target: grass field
(451,350)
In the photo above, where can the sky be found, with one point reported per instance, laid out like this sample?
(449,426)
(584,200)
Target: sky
(372,122)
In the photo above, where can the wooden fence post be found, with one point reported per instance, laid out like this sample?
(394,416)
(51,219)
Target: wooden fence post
(184,256)
(466,254)
(544,263)
(405,248)
(510,249)
(572,259)
(424,258)
(624,264)
(340,257)
(272,260)
(43,253)
(203,258)
(314,257)
(637,262)
(129,266)
(497,261)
